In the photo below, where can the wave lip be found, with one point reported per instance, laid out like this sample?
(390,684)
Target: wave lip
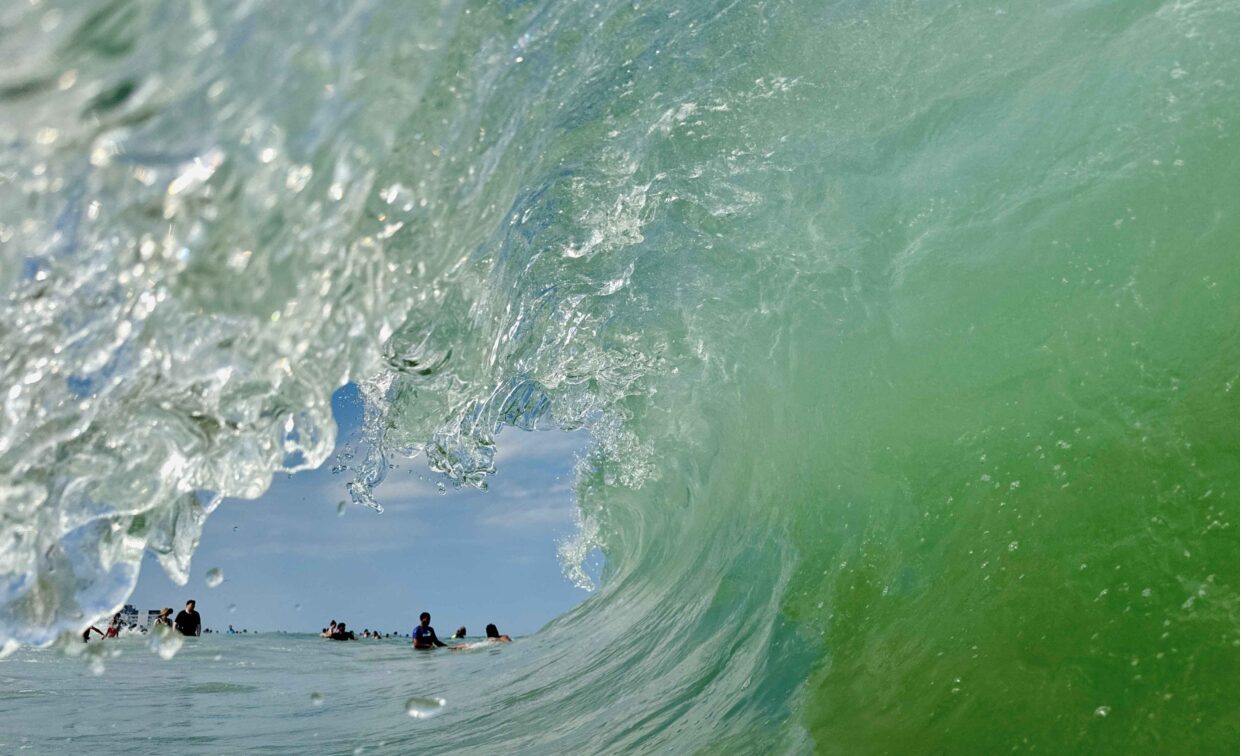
(905,336)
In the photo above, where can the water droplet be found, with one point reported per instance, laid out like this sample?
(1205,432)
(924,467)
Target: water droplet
(1014,545)
(169,646)
(95,665)
(215,576)
(1102,711)
(419,707)
(440,487)
(316,698)
(341,506)
(165,642)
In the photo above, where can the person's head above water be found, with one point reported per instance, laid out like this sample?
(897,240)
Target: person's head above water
(492,631)
(425,618)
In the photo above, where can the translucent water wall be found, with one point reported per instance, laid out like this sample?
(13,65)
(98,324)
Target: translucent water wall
(906,332)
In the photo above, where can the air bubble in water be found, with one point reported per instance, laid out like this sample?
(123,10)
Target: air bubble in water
(169,646)
(165,642)
(215,576)
(420,707)
(1102,711)
(316,698)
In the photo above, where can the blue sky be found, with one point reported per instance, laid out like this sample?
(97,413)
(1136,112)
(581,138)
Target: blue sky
(290,562)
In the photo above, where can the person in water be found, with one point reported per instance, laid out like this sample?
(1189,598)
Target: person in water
(493,636)
(86,633)
(165,617)
(114,627)
(188,622)
(424,635)
(460,633)
(343,633)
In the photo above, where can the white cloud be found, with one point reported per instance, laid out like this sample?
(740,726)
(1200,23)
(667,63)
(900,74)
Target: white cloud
(543,515)
(514,445)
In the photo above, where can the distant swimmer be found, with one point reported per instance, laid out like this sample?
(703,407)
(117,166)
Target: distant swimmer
(460,633)
(188,622)
(343,633)
(165,617)
(86,633)
(424,635)
(493,636)
(327,631)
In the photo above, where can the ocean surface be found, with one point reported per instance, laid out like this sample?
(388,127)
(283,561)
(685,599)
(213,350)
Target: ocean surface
(907,333)
(269,693)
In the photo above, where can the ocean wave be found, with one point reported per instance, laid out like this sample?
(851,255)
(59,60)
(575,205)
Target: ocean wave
(905,335)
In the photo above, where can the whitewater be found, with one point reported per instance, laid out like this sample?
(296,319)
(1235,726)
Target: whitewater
(907,335)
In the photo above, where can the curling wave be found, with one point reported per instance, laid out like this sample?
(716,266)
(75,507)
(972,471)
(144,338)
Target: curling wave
(906,335)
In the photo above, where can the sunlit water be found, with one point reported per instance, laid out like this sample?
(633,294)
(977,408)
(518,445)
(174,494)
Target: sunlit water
(906,334)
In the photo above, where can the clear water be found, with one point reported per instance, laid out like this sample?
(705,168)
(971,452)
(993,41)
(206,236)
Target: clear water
(906,333)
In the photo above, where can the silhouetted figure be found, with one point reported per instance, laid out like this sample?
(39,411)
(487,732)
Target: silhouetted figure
(188,622)
(493,635)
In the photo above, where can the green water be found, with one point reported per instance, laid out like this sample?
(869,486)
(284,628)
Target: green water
(907,333)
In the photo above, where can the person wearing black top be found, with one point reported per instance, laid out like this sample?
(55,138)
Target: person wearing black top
(342,633)
(188,622)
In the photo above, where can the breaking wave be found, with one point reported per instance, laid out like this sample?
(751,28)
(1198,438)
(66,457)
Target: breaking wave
(907,335)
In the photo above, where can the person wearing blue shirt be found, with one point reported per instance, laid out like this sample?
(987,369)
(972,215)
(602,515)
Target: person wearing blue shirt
(424,635)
